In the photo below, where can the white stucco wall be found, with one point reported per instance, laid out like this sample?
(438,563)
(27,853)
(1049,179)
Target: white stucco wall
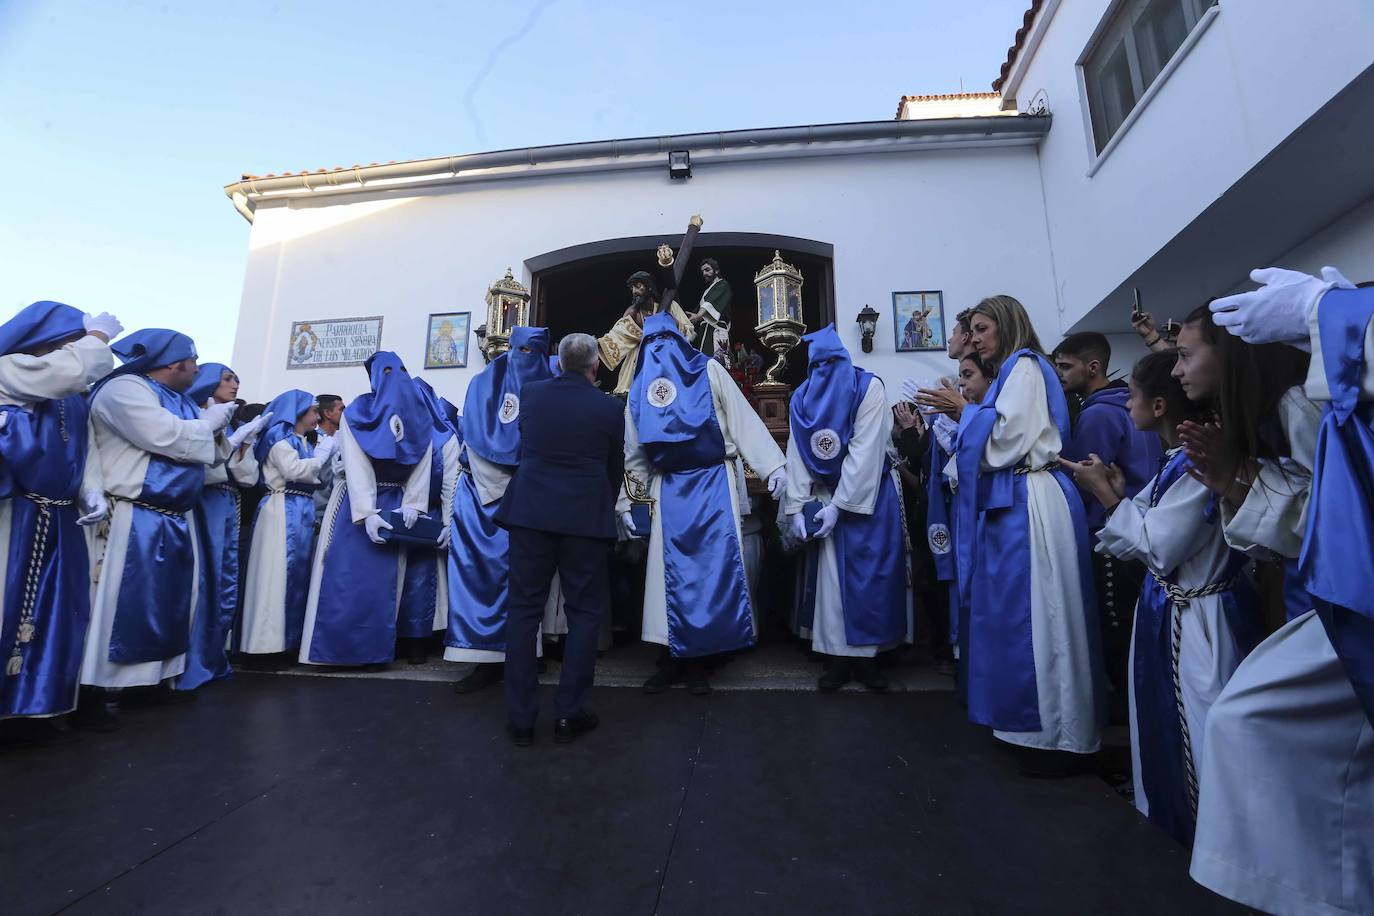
(1347,244)
(1257,73)
(968,222)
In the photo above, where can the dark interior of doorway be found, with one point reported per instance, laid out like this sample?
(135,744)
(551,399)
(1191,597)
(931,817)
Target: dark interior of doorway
(588,294)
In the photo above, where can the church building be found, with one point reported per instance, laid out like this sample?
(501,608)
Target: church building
(1158,146)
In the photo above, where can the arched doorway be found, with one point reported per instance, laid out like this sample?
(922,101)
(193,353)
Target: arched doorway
(582,288)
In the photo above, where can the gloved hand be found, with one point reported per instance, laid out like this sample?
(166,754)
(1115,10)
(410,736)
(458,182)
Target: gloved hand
(104,325)
(326,448)
(95,507)
(374,524)
(218,415)
(408,516)
(910,388)
(1277,312)
(249,431)
(627,524)
(777,482)
(796,525)
(829,516)
(445,537)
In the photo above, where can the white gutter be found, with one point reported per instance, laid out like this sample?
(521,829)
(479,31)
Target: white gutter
(864,137)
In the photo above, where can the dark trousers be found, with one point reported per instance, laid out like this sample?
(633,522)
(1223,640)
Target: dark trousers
(581,564)
(1118,587)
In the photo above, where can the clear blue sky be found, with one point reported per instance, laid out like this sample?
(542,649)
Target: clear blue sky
(121,120)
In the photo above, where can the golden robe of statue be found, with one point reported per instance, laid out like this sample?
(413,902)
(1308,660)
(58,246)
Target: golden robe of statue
(620,345)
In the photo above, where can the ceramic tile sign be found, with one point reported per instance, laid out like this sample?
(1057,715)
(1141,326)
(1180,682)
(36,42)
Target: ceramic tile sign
(333,342)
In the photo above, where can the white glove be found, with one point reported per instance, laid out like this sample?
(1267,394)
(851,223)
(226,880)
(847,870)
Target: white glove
(829,516)
(219,415)
(325,448)
(910,388)
(1277,312)
(777,482)
(248,432)
(627,524)
(104,323)
(445,537)
(94,507)
(408,516)
(796,524)
(374,524)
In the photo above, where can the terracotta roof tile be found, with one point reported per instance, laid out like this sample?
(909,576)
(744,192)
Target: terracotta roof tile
(1015,48)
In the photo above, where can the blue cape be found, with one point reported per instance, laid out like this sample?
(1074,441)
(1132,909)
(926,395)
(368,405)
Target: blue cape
(207,380)
(676,409)
(39,325)
(391,422)
(286,408)
(824,406)
(491,409)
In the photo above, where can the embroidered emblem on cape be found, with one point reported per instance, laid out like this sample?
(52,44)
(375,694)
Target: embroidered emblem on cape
(938,537)
(510,408)
(398,429)
(662,392)
(825,444)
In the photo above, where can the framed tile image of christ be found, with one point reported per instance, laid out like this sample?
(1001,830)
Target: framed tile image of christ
(446,343)
(918,318)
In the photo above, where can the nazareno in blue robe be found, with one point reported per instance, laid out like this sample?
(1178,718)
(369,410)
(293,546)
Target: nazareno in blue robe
(674,413)
(1336,564)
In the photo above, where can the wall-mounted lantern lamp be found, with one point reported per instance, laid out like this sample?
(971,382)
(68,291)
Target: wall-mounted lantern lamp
(868,326)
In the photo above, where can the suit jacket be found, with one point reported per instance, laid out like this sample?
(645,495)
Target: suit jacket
(572,460)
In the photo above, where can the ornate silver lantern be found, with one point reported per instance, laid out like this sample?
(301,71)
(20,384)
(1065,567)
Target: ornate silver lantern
(780,326)
(508,306)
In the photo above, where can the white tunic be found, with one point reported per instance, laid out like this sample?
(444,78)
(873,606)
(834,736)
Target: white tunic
(264,592)
(360,482)
(1175,541)
(1286,808)
(1024,434)
(447,491)
(129,425)
(24,381)
(746,439)
(857,492)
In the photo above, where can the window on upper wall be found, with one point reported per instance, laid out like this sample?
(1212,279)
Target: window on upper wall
(1129,54)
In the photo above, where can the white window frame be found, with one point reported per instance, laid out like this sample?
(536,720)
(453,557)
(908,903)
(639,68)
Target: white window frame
(1107,26)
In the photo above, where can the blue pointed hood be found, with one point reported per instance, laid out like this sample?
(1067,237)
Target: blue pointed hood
(391,422)
(491,408)
(824,406)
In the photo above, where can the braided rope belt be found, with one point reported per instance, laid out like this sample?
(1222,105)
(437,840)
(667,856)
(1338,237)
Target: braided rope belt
(294,491)
(27,630)
(163,510)
(1179,598)
(1053,465)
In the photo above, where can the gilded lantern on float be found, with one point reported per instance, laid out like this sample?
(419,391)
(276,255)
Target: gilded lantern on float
(780,326)
(508,306)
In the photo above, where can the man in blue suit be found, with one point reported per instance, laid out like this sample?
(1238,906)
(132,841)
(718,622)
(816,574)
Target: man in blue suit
(560,511)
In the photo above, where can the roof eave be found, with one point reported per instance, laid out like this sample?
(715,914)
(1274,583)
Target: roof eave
(646,152)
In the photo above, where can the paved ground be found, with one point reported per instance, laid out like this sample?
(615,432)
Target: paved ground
(317,795)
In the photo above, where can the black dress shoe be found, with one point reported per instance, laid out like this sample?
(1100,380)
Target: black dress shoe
(669,674)
(871,675)
(93,712)
(417,653)
(520,737)
(838,672)
(482,675)
(569,729)
(698,684)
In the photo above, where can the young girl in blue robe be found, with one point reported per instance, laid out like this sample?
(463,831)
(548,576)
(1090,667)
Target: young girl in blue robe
(278,579)
(1197,615)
